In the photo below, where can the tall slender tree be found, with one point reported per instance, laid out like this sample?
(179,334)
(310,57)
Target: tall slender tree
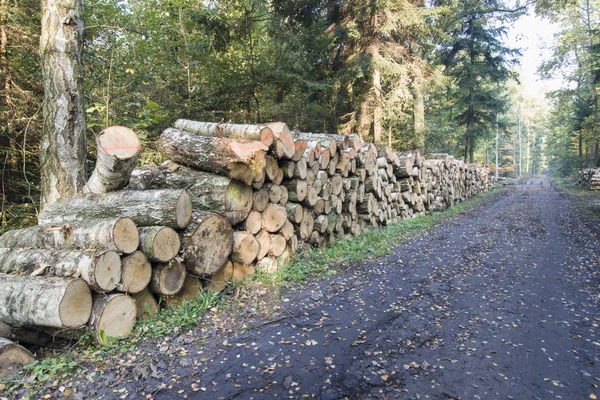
(63,148)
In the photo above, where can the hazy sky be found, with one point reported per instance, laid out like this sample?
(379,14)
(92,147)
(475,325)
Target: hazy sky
(534,36)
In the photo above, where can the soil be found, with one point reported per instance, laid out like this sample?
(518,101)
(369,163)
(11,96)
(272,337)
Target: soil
(499,302)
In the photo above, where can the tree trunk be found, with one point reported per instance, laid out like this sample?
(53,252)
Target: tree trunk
(159,243)
(274,217)
(118,149)
(44,301)
(101,271)
(113,316)
(237,158)
(136,272)
(206,243)
(63,146)
(117,234)
(171,208)
(13,357)
(419,112)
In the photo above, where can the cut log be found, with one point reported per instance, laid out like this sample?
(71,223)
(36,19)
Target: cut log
(264,239)
(271,168)
(288,168)
(241,272)
(159,243)
(13,357)
(305,228)
(268,265)
(259,133)
(253,223)
(101,270)
(285,196)
(301,169)
(278,245)
(245,247)
(239,159)
(300,149)
(321,223)
(261,199)
(44,301)
(287,231)
(294,212)
(219,280)
(167,278)
(118,234)
(191,289)
(113,316)
(118,149)
(274,217)
(284,140)
(136,272)
(275,192)
(208,192)
(311,197)
(145,304)
(171,208)
(297,189)
(206,243)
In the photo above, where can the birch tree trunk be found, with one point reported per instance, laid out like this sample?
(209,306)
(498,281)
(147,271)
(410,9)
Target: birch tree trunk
(63,146)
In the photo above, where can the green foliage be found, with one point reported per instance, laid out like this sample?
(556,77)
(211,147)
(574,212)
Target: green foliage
(50,368)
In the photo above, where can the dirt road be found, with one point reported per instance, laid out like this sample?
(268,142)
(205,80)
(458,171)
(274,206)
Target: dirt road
(501,302)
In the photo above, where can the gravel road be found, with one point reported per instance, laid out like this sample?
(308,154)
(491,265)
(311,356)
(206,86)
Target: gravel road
(500,302)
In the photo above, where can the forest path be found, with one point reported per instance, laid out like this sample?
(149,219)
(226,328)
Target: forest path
(501,302)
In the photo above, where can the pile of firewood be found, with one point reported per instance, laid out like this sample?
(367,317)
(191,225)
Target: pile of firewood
(231,199)
(589,178)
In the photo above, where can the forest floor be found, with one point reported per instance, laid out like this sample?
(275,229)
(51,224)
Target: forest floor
(501,301)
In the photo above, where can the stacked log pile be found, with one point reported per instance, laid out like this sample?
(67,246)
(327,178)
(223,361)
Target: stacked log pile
(231,199)
(589,178)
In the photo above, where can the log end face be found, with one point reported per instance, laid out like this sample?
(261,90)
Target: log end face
(184,209)
(119,141)
(136,273)
(107,273)
(13,357)
(209,246)
(75,307)
(125,235)
(238,202)
(166,244)
(118,318)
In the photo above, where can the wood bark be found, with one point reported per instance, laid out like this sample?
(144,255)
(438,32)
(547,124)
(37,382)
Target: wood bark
(136,272)
(171,207)
(259,133)
(118,149)
(167,278)
(206,243)
(239,159)
(297,189)
(159,243)
(13,357)
(208,192)
(117,234)
(100,270)
(63,142)
(44,301)
(294,212)
(113,316)
(245,248)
